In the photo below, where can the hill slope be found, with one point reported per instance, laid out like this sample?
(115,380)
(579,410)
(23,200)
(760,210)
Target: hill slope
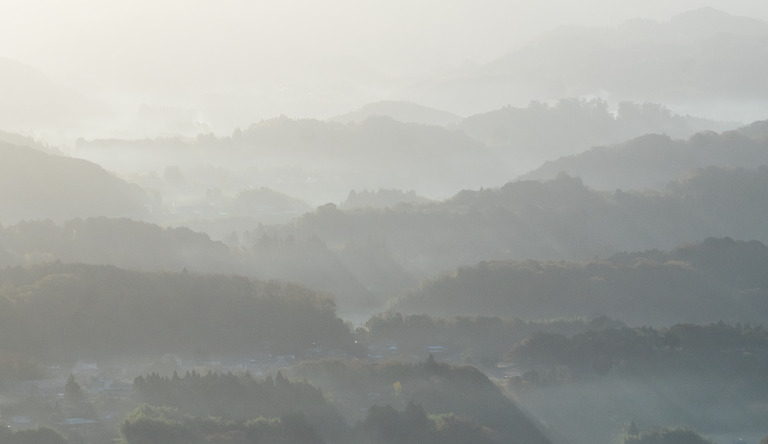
(527,137)
(36,185)
(439,388)
(560,219)
(651,161)
(57,311)
(322,161)
(718,279)
(406,112)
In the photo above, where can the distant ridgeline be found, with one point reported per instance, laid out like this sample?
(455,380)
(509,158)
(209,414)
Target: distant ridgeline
(121,242)
(380,152)
(376,153)
(652,160)
(56,311)
(136,245)
(360,254)
(559,219)
(543,132)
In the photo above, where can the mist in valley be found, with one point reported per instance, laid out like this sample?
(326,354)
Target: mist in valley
(486,222)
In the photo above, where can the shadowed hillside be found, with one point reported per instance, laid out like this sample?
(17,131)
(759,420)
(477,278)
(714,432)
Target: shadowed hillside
(58,311)
(718,279)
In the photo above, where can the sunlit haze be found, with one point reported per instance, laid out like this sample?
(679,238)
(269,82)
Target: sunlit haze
(300,58)
(384,221)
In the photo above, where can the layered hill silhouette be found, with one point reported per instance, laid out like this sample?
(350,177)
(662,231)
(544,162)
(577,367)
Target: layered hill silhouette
(59,311)
(714,280)
(364,255)
(406,112)
(332,158)
(381,199)
(559,219)
(689,56)
(352,275)
(527,137)
(652,160)
(686,61)
(38,185)
(321,161)
(119,242)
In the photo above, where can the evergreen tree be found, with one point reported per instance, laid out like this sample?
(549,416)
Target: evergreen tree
(73,393)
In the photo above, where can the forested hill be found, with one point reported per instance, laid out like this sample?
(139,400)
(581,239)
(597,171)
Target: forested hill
(542,132)
(380,152)
(556,219)
(471,408)
(386,403)
(376,153)
(59,311)
(651,161)
(121,242)
(365,256)
(37,185)
(352,274)
(718,279)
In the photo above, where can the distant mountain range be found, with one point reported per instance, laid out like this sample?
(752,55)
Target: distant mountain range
(703,62)
(363,256)
(555,219)
(697,60)
(526,137)
(321,161)
(380,199)
(353,274)
(401,111)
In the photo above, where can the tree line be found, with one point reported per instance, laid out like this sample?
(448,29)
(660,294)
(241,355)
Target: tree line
(56,311)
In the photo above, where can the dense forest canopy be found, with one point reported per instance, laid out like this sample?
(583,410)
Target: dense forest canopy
(437,387)
(58,311)
(718,279)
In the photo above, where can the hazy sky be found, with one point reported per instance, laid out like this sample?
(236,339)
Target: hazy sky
(175,46)
(106,37)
